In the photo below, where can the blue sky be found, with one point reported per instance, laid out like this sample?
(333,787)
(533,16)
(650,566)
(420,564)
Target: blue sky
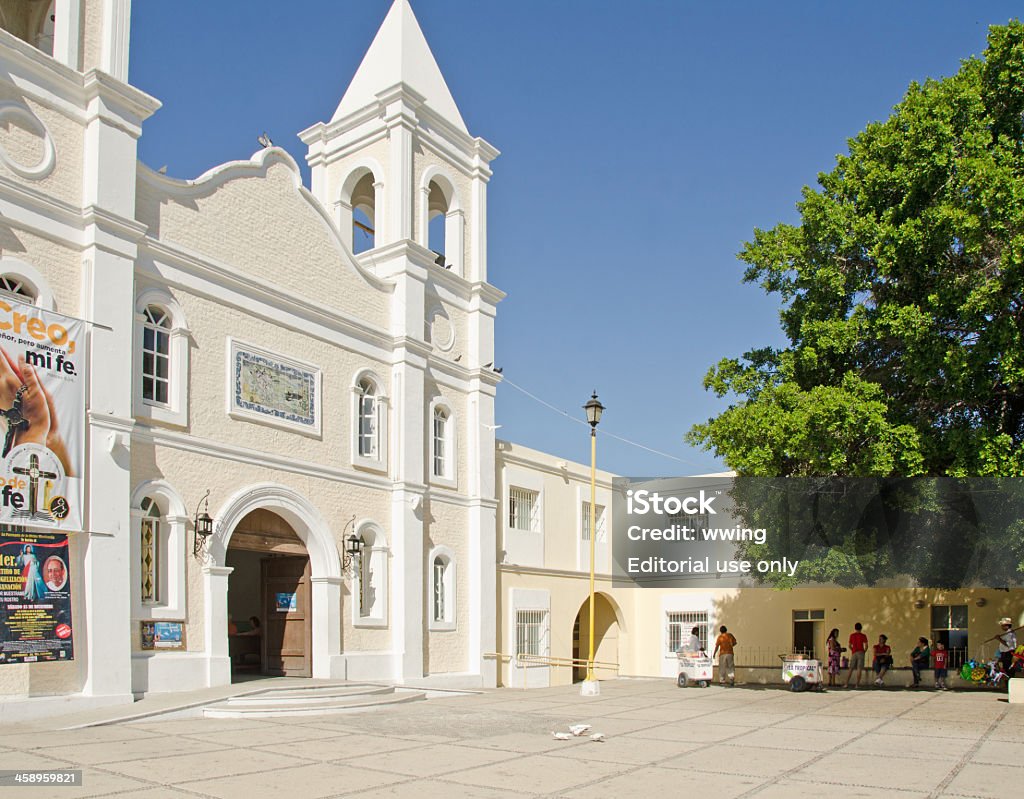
(641,145)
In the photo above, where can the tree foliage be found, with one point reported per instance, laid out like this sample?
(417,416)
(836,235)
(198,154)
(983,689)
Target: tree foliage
(902,297)
(901,294)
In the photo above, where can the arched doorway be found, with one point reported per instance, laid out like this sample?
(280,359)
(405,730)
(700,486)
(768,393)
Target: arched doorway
(314,532)
(270,610)
(606,636)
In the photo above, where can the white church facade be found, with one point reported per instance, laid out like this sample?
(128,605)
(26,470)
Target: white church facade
(251,360)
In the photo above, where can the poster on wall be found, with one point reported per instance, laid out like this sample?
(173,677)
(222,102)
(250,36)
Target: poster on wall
(163,635)
(42,417)
(35,598)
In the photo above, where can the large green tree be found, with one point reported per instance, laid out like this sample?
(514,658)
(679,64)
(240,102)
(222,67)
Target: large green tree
(902,294)
(902,297)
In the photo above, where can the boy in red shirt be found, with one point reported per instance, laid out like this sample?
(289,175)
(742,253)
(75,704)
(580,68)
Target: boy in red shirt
(941,656)
(858,646)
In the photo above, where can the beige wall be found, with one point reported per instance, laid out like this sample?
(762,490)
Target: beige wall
(265,227)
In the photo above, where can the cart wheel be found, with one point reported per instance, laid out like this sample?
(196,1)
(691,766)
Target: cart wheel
(681,681)
(797,684)
(704,683)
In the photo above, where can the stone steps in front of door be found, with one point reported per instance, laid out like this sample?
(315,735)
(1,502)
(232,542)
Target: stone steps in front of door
(309,701)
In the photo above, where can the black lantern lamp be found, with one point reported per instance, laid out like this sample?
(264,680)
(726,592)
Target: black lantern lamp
(353,550)
(594,409)
(203,526)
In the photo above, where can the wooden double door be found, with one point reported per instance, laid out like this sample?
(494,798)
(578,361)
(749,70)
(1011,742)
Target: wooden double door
(287,610)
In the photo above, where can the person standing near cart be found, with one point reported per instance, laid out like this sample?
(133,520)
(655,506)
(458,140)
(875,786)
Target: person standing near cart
(1007,644)
(858,648)
(725,643)
(835,652)
(693,646)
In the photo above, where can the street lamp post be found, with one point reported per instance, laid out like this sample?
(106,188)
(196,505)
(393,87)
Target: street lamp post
(594,410)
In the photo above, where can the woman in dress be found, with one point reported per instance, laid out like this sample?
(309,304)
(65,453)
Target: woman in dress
(835,650)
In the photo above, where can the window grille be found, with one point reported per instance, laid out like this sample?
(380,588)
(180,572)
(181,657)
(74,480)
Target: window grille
(440,442)
(367,419)
(531,632)
(156,355)
(679,625)
(585,522)
(522,509)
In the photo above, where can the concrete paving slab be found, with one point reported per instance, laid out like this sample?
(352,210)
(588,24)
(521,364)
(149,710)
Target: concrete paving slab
(694,730)
(265,735)
(999,753)
(36,761)
(119,751)
(313,782)
(100,784)
(521,742)
(653,781)
(813,741)
(181,769)
(433,761)
(833,723)
(339,747)
(793,789)
(934,729)
(626,750)
(882,744)
(742,760)
(843,769)
(537,774)
(978,779)
(440,789)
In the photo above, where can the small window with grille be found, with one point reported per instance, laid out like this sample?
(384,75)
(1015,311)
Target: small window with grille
(522,509)
(599,526)
(679,625)
(531,632)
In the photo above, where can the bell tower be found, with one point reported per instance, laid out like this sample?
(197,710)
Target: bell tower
(397,163)
(406,184)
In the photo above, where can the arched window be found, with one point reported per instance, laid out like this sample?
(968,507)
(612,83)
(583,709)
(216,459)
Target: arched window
(371,588)
(161,358)
(156,355)
(149,547)
(442,589)
(22,282)
(157,564)
(369,415)
(17,288)
(441,220)
(368,441)
(363,215)
(360,196)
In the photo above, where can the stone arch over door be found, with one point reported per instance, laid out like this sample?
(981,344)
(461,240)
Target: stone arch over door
(325,569)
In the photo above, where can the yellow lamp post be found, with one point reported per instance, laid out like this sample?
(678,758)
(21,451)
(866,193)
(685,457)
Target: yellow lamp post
(594,410)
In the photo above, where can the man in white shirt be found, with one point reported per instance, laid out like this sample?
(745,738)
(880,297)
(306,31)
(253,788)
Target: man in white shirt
(1007,644)
(693,646)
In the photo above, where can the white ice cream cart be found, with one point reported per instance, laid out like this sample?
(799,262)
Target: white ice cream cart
(801,672)
(694,667)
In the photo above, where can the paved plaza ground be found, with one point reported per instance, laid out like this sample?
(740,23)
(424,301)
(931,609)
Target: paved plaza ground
(661,741)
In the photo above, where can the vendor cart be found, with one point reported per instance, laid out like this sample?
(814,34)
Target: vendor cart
(694,667)
(801,672)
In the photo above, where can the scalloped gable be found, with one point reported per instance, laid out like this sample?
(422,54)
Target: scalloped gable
(400,54)
(256,217)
